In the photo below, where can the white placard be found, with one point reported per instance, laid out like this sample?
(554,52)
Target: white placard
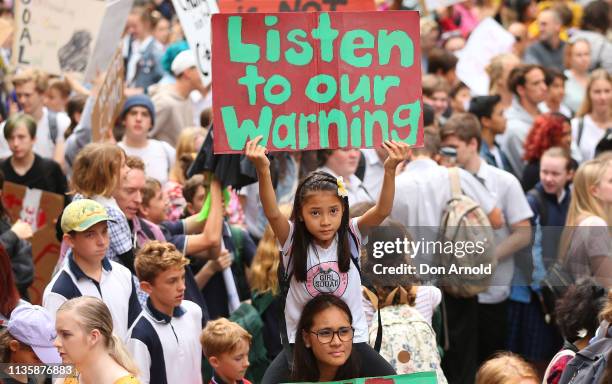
(487,40)
(30,206)
(194,16)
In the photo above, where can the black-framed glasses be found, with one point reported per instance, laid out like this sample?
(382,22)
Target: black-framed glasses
(326,335)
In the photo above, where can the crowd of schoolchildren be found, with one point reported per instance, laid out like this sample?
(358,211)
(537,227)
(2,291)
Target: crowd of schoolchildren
(171,271)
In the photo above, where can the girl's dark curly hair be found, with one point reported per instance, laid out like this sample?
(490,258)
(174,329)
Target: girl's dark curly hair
(578,309)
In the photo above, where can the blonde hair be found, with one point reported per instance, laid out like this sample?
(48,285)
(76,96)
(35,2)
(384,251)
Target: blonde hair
(185,152)
(587,104)
(495,69)
(38,77)
(156,257)
(262,275)
(97,169)
(583,203)
(91,313)
(222,336)
(505,368)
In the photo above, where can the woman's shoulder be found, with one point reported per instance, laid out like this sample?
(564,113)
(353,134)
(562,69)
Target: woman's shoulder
(592,221)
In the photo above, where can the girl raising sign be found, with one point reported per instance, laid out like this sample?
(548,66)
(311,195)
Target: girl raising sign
(320,248)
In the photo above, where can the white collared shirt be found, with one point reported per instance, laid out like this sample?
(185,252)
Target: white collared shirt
(374,172)
(357,191)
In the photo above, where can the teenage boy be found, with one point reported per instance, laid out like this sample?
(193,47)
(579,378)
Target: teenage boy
(137,118)
(24,166)
(490,113)
(226,346)
(161,340)
(482,322)
(88,272)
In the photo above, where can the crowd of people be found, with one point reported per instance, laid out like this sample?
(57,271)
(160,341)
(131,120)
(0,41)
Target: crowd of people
(172,271)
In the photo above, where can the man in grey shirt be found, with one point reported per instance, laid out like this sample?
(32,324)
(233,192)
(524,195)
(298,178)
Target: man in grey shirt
(548,50)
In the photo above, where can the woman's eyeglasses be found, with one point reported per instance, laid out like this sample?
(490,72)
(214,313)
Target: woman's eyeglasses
(326,335)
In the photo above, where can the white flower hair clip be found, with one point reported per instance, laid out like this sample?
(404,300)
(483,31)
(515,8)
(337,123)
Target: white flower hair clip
(342,191)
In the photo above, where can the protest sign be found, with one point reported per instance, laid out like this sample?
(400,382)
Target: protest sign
(239,6)
(40,209)
(487,40)
(113,25)
(411,378)
(56,36)
(316,80)
(195,20)
(109,101)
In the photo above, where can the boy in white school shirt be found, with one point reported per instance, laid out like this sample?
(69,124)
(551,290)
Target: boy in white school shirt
(87,272)
(163,340)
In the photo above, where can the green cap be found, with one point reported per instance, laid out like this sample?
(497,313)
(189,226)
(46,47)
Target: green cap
(82,214)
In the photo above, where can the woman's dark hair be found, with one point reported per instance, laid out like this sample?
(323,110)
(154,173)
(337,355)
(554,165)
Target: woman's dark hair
(304,362)
(75,105)
(596,17)
(302,239)
(578,309)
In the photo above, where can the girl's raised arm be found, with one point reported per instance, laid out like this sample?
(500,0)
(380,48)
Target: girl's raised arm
(398,152)
(257,154)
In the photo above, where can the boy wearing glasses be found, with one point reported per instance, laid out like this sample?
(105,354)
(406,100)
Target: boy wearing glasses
(226,346)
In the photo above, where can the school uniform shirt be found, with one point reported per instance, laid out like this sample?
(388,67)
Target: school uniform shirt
(357,191)
(323,276)
(167,349)
(374,172)
(508,194)
(217,380)
(429,189)
(115,288)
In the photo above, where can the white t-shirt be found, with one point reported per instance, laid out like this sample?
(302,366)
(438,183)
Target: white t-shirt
(324,276)
(591,136)
(43,146)
(509,197)
(158,156)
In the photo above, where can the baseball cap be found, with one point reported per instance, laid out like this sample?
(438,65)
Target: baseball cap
(34,326)
(182,62)
(81,214)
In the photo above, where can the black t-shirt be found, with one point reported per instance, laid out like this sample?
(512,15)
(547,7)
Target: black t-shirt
(45,174)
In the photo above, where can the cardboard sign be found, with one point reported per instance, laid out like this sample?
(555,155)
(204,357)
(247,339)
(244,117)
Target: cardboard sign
(41,209)
(239,6)
(487,40)
(109,101)
(316,80)
(56,36)
(195,20)
(113,25)
(411,378)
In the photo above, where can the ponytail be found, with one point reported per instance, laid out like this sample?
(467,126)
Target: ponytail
(119,353)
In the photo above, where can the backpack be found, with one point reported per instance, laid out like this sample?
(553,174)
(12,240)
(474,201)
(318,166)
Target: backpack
(464,221)
(52,119)
(589,364)
(410,342)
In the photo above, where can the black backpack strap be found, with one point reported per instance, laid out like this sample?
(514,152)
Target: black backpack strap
(537,195)
(52,118)
(580,130)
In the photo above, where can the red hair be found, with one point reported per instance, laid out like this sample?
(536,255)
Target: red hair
(9,295)
(546,132)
